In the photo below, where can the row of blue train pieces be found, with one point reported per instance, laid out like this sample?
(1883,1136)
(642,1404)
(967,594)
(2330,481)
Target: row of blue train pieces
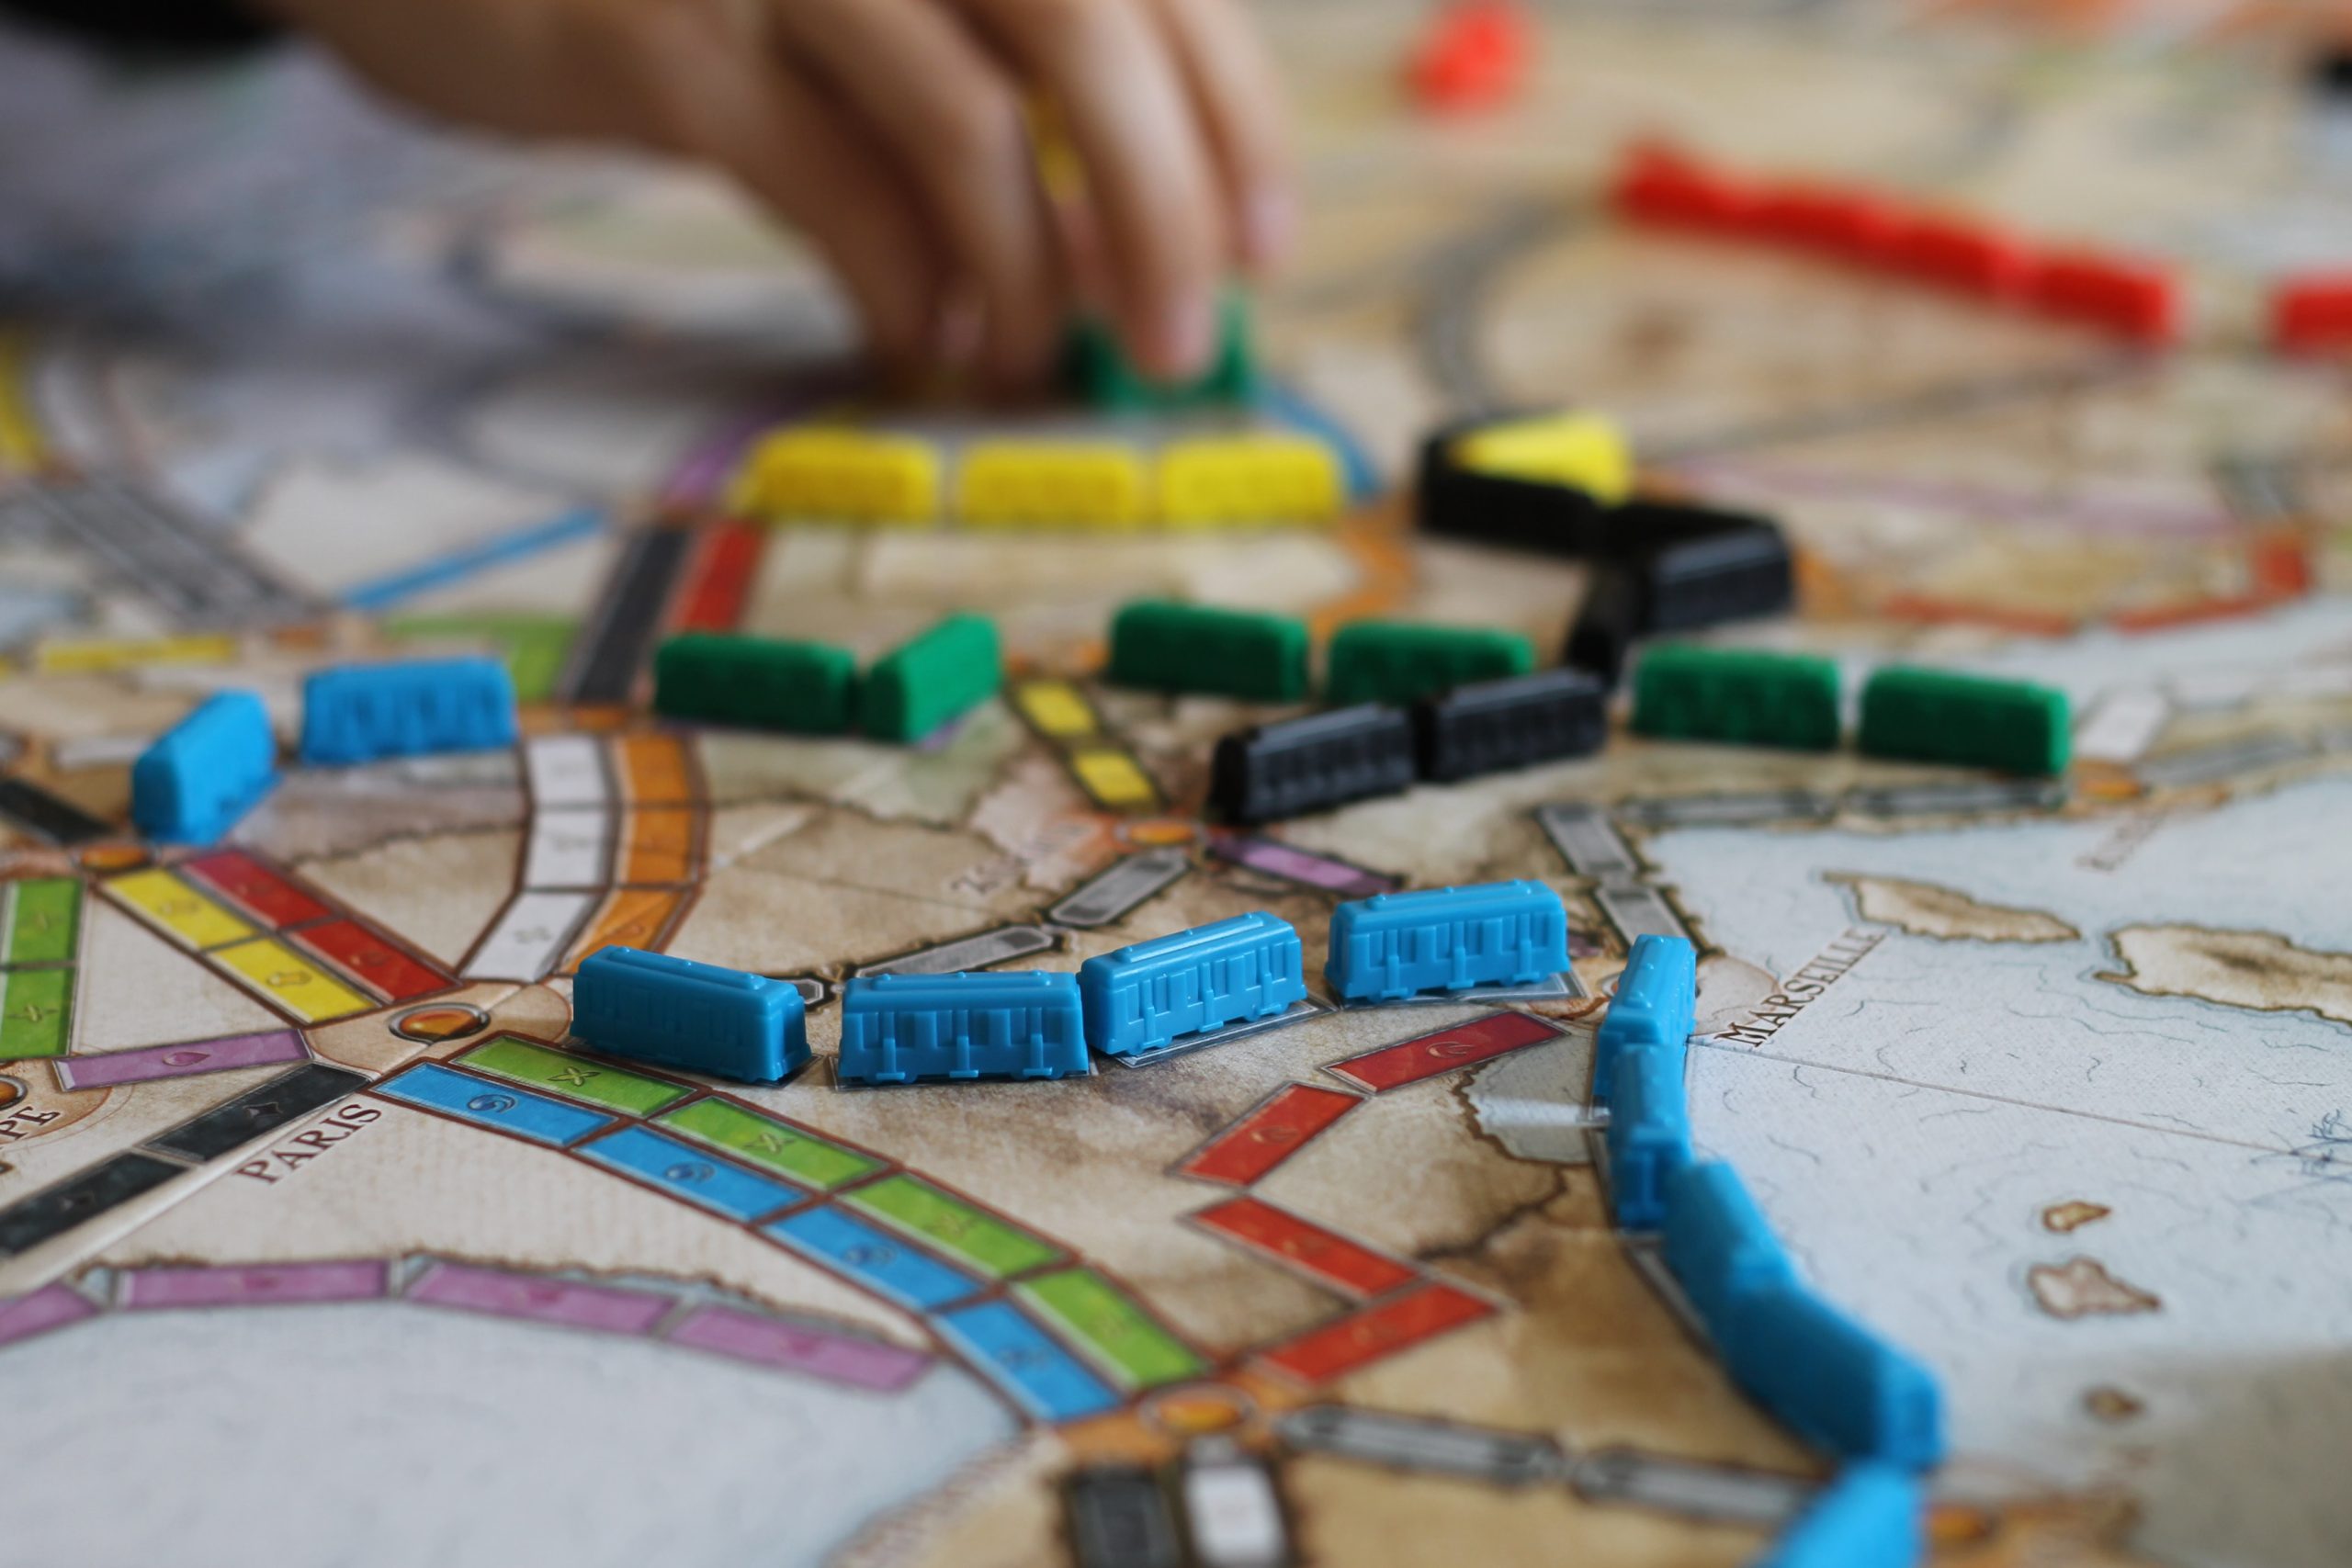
(1822,1374)
(218,763)
(1828,1378)
(902,1028)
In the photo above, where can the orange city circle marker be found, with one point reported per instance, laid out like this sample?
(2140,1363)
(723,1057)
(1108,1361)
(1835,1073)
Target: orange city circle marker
(439,1021)
(1199,1408)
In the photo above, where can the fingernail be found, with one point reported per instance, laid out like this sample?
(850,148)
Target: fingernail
(1185,336)
(1269,221)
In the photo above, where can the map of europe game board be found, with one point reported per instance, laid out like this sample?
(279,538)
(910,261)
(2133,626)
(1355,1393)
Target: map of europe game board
(319,1242)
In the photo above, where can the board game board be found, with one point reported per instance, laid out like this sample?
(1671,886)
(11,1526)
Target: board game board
(308,1253)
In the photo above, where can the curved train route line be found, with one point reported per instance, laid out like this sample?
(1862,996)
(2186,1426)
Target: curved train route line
(1456,280)
(1058,1338)
(1453,284)
(275,937)
(615,841)
(683,1317)
(286,943)
(1287,405)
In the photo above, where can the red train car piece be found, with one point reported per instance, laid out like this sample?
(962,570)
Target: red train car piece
(2133,299)
(2310,315)
(1852,226)
(1473,56)
(1962,257)
(1660,185)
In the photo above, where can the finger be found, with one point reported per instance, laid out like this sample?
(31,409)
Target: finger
(1238,96)
(951,115)
(1148,175)
(838,188)
(719,94)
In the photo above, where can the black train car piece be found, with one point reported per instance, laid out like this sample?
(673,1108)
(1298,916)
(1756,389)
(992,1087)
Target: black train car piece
(1308,765)
(1459,503)
(1699,566)
(1681,567)
(1607,624)
(1494,726)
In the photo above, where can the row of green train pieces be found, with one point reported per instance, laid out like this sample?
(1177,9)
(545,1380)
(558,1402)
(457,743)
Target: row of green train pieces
(914,691)
(1449,704)
(1410,703)
(1443,703)
(1413,703)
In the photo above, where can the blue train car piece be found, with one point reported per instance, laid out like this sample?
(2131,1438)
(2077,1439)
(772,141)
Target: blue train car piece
(1446,939)
(1830,1380)
(701,1017)
(1144,996)
(900,1027)
(1652,1005)
(1717,1242)
(1871,1517)
(356,713)
(205,772)
(1649,1133)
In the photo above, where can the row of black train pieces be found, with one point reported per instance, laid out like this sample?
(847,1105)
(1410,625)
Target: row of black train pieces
(1658,566)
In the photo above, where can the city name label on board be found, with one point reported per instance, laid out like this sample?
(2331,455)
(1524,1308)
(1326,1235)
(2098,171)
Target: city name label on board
(1804,987)
(308,1145)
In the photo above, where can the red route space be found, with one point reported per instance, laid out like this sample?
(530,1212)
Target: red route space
(271,895)
(369,958)
(1427,1056)
(720,578)
(1376,1332)
(290,910)
(1324,1256)
(1267,1133)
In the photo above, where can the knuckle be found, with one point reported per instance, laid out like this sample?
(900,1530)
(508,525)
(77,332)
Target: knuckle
(979,132)
(988,128)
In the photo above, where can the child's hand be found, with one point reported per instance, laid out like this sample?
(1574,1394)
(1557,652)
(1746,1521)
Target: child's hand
(893,133)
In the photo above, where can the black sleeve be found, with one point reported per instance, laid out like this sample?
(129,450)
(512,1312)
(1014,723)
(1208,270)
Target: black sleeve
(149,25)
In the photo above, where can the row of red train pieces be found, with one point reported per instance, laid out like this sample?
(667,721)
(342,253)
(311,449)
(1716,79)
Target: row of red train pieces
(2133,299)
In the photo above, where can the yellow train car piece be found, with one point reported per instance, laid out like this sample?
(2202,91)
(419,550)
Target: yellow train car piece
(839,476)
(1218,481)
(1052,484)
(1586,450)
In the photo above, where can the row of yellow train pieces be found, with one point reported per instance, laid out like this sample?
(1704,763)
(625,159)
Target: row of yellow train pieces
(837,474)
